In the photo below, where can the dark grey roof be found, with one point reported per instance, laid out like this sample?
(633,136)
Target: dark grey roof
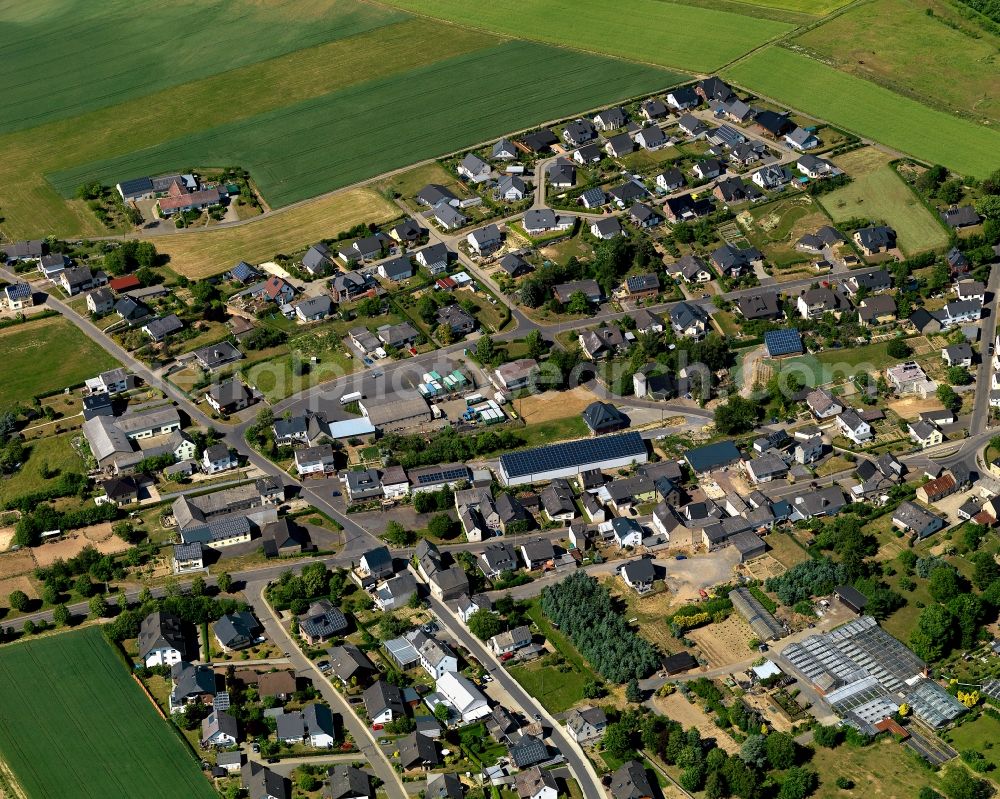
(639,571)
(600,415)
(347,781)
(630,782)
(528,750)
(160,630)
(323,620)
(712,456)
(382,695)
(572,453)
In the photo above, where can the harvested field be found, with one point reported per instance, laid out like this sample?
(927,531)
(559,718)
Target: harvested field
(206,253)
(554,404)
(726,642)
(688,715)
(6,538)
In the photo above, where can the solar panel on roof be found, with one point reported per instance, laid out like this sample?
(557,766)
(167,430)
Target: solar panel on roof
(783,342)
(221,701)
(441,476)
(572,453)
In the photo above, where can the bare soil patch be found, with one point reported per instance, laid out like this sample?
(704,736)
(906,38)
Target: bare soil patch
(725,642)
(555,404)
(910,407)
(6,538)
(14,563)
(98,536)
(20,583)
(678,708)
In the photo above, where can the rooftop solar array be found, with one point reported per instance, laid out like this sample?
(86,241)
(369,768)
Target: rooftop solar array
(221,701)
(572,454)
(783,342)
(442,475)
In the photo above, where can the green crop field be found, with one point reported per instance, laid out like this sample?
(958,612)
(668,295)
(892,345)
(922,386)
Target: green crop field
(869,110)
(895,43)
(65,57)
(68,355)
(877,192)
(684,36)
(75,724)
(343,137)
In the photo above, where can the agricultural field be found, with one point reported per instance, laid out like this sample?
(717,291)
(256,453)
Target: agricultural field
(41,40)
(285,152)
(69,357)
(143,122)
(877,192)
(868,110)
(74,689)
(205,253)
(794,12)
(895,43)
(683,36)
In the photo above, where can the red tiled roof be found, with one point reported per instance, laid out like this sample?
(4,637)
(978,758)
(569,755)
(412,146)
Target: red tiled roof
(125,283)
(939,486)
(172,203)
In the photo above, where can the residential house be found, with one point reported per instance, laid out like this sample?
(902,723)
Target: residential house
(690,321)
(692,126)
(448,217)
(875,239)
(349,664)
(457,319)
(383,703)
(261,783)
(76,279)
(801,139)
(925,434)
(18,296)
(911,518)
(485,241)
(960,216)
(683,98)
(558,501)
(312,726)
(417,751)
(603,342)
(586,724)
(318,260)
(217,458)
(159,329)
(588,154)
(322,621)
(395,592)
(348,782)
(813,303)
(910,378)
(879,310)
(653,109)
(958,355)
(504,150)
(937,489)
(561,174)
(100,301)
(644,217)
(772,177)
(822,404)
(629,781)
(538,553)
(536,783)
(652,138)
(691,268)
(872,282)
(235,631)
(960,312)
(733,261)
(620,145)
(808,450)
(759,306)
(315,461)
(592,198)
(708,169)
(639,575)
(816,168)
(610,119)
(733,191)
(396,269)
(603,417)
(229,397)
(219,729)
(511,188)
(516,375)
(670,180)
(765,468)
(498,557)
(626,532)
(579,132)
(851,425)
(685,207)
(475,168)
(647,321)
(458,693)
(348,286)
(163,640)
(515,265)
(606,228)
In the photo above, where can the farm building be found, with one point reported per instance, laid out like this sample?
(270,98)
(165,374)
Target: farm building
(571,458)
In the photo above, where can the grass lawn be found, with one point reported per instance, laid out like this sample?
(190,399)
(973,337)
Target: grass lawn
(877,192)
(830,365)
(112,742)
(69,358)
(686,37)
(556,690)
(276,379)
(553,430)
(974,734)
(31,204)
(410,182)
(884,769)
(783,548)
(55,452)
(280,148)
(869,110)
(895,43)
(775,227)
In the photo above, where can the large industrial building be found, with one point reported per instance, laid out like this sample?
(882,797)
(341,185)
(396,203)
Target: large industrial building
(864,675)
(568,459)
(397,415)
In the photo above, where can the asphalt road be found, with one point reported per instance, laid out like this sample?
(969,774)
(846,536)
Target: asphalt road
(581,767)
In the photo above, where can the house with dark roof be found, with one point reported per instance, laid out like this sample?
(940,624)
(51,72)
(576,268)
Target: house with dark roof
(759,306)
(603,417)
(639,575)
(690,321)
(603,342)
(383,702)
(960,216)
(457,319)
(579,132)
(683,98)
(262,783)
(321,622)
(347,782)
(236,631)
(734,261)
(875,239)
(629,781)
(539,141)
(163,639)
(348,663)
